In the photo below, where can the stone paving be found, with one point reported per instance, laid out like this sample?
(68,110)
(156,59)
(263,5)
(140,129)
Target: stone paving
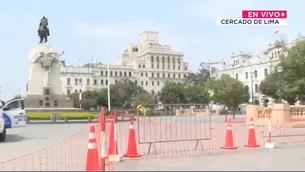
(285,157)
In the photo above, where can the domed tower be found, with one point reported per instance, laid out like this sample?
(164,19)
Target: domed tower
(44,88)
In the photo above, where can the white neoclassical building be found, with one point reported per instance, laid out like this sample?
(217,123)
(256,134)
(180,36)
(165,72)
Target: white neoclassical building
(249,69)
(149,64)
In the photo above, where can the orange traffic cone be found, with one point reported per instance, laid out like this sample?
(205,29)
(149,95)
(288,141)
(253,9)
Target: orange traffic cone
(251,135)
(92,162)
(229,137)
(113,147)
(132,151)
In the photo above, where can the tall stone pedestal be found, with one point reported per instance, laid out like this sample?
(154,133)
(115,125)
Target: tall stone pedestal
(44,88)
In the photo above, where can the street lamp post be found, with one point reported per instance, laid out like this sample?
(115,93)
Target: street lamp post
(280,70)
(252,94)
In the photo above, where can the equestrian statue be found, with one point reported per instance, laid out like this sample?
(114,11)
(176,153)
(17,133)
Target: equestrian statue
(43,30)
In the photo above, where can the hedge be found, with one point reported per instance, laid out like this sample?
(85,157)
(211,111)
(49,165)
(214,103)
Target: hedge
(70,115)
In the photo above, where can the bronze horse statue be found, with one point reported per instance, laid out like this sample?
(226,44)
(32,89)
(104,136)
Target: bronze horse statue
(43,30)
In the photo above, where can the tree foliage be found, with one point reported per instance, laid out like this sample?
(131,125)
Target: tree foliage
(173,92)
(228,91)
(292,76)
(197,94)
(269,86)
(123,92)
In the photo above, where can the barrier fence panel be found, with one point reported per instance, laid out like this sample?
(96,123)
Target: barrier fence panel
(106,121)
(67,155)
(164,127)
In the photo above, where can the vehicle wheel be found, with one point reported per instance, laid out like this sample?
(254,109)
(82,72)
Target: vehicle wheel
(3,135)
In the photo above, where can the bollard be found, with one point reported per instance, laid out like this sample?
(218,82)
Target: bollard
(66,119)
(54,119)
(89,119)
(27,120)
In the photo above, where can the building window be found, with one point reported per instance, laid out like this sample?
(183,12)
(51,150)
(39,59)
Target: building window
(157,66)
(76,81)
(102,82)
(142,83)
(158,75)
(120,73)
(76,91)
(68,92)
(266,72)
(152,83)
(179,67)
(68,81)
(136,82)
(255,73)
(146,74)
(174,67)
(163,66)
(111,73)
(236,76)
(146,83)
(106,81)
(256,88)
(106,73)
(174,75)
(174,60)
(125,74)
(179,60)
(168,60)
(152,66)
(102,73)
(95,82)
(158,59)
(185,68)
(115,81)
(246,75)
(80,81)
(141,74)
(88,81)
(158,83)
(129,73)
(163,75)
(162,59)
(169,75)
(115,73)
(168,67)
(152,58)
(143,66)
(152,74)
(139,66)
(179,75)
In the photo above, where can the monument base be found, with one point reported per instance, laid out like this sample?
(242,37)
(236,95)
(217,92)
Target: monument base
(51,101)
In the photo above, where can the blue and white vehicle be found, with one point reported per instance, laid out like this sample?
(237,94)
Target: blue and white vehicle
(12,115)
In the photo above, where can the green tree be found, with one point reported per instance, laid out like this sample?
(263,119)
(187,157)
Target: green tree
(229,92)
(294,73)
(202,75)
(198,93)
(89,99)
(144,98)
(123,91)
(270,85)
(173,92)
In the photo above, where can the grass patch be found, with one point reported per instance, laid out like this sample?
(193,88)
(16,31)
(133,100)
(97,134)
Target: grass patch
(70,115)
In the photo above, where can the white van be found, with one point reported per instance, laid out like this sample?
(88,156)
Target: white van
(12,114)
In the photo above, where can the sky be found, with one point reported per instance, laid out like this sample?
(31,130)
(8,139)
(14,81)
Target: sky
(98,29)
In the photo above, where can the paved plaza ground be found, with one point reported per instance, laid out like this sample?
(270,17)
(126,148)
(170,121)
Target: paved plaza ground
(286,157)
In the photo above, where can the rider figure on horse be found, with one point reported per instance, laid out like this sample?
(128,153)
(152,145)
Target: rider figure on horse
(43,25)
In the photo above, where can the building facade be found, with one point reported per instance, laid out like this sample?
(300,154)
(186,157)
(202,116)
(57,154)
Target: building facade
(249,69)
(148,64)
